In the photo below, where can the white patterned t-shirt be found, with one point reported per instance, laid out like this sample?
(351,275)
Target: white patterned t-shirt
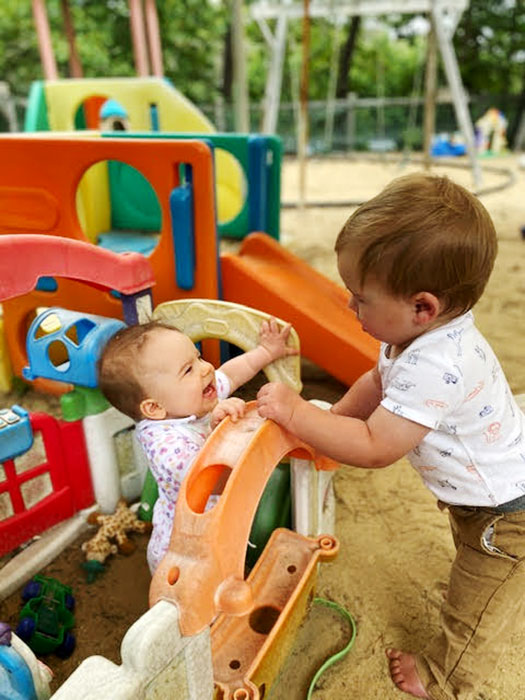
(450,380)
(171,446)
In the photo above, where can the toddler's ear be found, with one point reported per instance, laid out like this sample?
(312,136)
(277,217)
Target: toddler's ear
(152,410)
(427,308)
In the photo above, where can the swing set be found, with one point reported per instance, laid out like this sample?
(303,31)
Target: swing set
(443,15)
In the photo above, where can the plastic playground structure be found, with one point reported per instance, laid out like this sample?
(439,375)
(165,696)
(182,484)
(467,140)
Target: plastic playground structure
(58,358)
(72,294)
(218,565)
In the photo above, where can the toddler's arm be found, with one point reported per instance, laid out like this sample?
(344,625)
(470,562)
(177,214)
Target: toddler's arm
(363,397)
(232,407)
(272,346)
(373,443)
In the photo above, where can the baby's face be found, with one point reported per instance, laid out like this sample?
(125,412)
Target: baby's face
(175,376)
(385,317)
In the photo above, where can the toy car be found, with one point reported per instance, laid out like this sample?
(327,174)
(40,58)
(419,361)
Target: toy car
(47,618)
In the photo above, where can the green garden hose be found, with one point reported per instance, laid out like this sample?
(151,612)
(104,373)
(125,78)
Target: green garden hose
(339,654)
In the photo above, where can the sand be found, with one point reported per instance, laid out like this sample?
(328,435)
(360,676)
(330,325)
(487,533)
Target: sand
(396,549)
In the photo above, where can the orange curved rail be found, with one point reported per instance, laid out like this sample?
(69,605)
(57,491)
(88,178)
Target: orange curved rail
(203,570)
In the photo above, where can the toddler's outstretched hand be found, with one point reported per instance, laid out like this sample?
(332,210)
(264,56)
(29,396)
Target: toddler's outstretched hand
(278,402)
(273,338)
(232,407)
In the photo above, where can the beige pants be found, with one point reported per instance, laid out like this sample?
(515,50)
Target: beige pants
(484,604)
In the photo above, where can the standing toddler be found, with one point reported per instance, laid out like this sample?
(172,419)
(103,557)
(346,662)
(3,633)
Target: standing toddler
(416,259)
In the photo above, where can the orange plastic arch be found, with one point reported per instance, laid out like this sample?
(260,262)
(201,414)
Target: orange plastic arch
(203,570)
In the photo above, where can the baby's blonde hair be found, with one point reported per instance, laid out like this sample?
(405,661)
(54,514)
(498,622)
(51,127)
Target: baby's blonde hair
(424,233)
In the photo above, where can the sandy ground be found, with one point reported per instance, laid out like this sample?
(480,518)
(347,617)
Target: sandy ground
(396,548)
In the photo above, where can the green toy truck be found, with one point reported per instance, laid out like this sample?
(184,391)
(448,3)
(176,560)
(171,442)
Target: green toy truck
(47,618)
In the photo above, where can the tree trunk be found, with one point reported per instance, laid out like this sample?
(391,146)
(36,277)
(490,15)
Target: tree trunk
(513,127)
(345,58)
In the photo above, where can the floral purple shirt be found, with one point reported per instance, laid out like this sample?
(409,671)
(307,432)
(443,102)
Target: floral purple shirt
(171,446)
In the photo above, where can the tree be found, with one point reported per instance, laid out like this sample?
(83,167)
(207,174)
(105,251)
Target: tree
(490,44)
(345,57)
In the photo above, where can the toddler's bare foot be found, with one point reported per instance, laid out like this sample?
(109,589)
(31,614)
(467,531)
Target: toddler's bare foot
(404,674)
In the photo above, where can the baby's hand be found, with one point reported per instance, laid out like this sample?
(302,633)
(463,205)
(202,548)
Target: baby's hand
(232,407)
(273,338)
(278,402)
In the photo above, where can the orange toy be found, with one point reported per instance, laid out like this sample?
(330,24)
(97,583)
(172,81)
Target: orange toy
(248,651)
(265,275)
(203,570)
(38,186)
(207,548)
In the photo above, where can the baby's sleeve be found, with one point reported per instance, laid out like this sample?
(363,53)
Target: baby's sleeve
(422,389)
(223,385)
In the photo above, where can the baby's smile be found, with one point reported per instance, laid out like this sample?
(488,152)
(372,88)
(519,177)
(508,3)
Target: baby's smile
(209,391)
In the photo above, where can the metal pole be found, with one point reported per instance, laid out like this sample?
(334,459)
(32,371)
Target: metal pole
(272,95)
(303,112)
(458,94)
(47,57)
(429,118)
(240,85)
(155,46)
(138,37)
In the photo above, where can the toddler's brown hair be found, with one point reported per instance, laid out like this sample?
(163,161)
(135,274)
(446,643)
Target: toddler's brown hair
(424,233)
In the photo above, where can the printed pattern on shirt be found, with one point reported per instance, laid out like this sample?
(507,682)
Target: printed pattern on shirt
(171,447)
(450,381)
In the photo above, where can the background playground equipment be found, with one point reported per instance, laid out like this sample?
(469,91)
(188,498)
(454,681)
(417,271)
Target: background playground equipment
(63,346)
(152,104)
(76,461)
(37,197)
(45,484)
(448,145)
(266,275)
(184,263)
(491,130)
(260,160)
(120,211)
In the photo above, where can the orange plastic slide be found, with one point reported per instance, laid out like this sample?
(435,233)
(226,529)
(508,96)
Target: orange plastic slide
(266,276)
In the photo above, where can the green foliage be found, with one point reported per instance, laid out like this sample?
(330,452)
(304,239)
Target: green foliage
(191,35)
(192,38)
(490,44)
(19,58)
(384,67)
